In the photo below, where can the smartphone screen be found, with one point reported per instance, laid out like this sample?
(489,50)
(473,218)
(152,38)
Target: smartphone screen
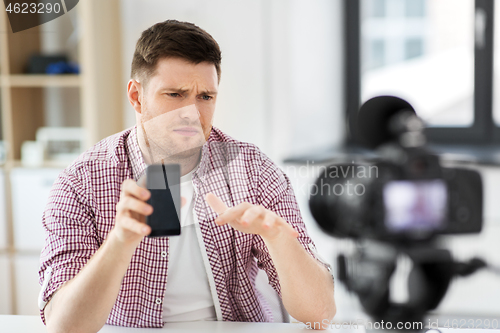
(163,181)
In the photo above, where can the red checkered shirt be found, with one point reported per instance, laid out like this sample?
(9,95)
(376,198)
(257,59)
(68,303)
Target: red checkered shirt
(81,212)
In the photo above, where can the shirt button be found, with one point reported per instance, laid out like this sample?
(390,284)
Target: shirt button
(164,254)
(158,301)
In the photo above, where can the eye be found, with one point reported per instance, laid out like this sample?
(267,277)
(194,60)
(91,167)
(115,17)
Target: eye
(206,97)
(173,94)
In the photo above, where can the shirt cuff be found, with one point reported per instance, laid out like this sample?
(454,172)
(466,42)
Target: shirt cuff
(319,258)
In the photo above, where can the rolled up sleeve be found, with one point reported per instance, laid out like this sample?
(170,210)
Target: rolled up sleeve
(70,236)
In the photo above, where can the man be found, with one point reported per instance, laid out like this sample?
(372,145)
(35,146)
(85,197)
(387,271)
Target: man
(239,212)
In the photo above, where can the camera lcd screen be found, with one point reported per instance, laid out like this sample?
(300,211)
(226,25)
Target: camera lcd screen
(415,205)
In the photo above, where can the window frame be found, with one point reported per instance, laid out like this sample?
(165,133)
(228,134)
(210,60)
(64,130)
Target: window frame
(483,130)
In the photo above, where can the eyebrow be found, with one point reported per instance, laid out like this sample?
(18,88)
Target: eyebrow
(182,91)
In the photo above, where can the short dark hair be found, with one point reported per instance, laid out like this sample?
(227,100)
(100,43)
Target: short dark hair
(173,39)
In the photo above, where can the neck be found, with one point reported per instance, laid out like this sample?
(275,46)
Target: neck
(187,164)
(187,160)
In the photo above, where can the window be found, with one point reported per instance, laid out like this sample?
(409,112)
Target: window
(378,8)
(376,56)
(415,8)
(496,70)
(438,55)
(414,48)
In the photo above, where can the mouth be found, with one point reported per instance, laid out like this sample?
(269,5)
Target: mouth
(186,131)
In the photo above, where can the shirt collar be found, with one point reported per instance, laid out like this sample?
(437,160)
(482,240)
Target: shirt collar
(135,155)
(139,165)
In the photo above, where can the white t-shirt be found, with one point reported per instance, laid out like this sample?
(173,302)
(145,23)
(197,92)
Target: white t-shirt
(187,296)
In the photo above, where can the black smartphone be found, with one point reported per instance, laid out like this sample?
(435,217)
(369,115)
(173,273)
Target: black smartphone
(163,181)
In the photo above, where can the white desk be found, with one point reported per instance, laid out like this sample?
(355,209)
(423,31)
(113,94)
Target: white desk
(33,324)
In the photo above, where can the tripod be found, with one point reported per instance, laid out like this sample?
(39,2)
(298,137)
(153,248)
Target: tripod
(368,272)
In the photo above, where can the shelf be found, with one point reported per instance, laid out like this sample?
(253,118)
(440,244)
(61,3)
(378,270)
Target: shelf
(37,80)
(92,100)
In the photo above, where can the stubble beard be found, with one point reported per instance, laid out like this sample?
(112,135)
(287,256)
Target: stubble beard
(165,148)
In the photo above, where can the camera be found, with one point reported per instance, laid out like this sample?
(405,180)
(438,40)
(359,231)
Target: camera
(396,205)
(405,194)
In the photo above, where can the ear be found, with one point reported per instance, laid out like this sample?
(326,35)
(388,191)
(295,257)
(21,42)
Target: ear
(134,94)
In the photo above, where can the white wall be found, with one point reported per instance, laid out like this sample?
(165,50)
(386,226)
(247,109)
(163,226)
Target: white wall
(281,67)
(5,297)
(3,217)
(5,283)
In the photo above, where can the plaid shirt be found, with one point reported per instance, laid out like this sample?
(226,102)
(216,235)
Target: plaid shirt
(81,212)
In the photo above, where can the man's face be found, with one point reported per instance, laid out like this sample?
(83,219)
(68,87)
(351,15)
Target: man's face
(177,108)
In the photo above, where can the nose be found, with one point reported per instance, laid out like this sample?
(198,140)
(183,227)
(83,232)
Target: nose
(189,112)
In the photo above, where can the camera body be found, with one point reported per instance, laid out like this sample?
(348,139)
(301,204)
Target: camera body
(405,195)
(411,199)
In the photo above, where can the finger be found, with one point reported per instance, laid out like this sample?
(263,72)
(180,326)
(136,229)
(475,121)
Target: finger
(129,203)
(139,217)
(135,226)
(269,221)
(129,187)
(233,214)
(183,201)
(285,225)
(217,204)
(253,213)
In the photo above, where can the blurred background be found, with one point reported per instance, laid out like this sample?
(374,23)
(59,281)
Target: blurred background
(294,73)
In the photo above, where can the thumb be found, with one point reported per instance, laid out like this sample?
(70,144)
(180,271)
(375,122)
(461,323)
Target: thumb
(216,203)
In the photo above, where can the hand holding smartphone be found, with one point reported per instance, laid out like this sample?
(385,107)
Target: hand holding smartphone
(163,181)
